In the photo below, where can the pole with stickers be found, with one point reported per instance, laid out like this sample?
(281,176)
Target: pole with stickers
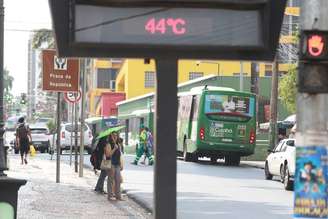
(311,172)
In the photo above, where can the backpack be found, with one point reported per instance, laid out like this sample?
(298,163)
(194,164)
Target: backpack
(97,153)
(94,160)
(22,131)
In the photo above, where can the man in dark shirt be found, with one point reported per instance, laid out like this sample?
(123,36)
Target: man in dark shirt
(23,139)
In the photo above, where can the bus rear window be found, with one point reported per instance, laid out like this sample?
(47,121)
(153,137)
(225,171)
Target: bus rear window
(229,106)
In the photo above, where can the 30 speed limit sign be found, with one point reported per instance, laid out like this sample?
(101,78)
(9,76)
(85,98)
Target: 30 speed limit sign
(72,97)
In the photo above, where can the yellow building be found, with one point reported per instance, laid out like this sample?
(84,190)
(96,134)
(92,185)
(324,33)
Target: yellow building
(137,76)
(104,73)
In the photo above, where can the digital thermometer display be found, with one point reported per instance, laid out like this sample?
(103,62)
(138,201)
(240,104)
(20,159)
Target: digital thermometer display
(167,26)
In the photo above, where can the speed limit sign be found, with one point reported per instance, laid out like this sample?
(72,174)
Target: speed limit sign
(72,97)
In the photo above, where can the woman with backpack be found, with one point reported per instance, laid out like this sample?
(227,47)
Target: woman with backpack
(97,156)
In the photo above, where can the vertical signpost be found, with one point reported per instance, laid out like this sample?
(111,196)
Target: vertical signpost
(59,75)
(311,175)
(168,31)
(72,98)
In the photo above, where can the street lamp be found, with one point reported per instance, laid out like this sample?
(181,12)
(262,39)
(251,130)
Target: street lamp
(198,62)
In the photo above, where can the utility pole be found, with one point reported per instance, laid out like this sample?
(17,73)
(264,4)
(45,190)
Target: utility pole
(255,86)
(75,134)
(273,105)
(312,116)
(241,76)
(72,129)
(82,63)
(3,158)
(58,139)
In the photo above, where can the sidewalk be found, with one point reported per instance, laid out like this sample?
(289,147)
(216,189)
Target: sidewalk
(72,198)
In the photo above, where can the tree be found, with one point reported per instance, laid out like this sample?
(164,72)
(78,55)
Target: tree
(7,86)
(43,39)
(288,90)
(7,81)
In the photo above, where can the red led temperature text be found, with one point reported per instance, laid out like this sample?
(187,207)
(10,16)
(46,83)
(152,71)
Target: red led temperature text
(177,26)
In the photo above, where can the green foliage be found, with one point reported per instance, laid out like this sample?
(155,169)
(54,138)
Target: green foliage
(288,90)
(44,39)
(51,126)
(8,81)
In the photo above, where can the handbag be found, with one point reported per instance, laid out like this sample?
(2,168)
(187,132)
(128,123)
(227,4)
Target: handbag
(105,164)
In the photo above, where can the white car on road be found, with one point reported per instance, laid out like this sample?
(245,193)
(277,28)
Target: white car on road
(281,162)
(67,135)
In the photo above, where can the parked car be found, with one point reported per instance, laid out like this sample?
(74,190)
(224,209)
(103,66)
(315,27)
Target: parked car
(66,133)
(40,138)
(281,162)
(9,136)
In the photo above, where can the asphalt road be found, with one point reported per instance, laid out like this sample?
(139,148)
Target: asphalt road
(212,191)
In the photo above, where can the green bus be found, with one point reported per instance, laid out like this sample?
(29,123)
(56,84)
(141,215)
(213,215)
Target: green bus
(214,122)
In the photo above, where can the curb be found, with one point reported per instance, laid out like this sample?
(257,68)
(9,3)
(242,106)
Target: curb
(258,166)
(139,201)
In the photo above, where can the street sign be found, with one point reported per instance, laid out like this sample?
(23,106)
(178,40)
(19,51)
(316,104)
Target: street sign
(72,97)
(59,74)
(220,29)
(60,63)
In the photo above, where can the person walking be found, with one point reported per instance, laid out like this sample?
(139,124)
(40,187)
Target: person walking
(23,139)
(99,154)
(148,153)
(117,165)
(140,149)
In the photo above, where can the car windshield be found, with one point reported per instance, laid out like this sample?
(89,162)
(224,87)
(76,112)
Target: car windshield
(38,131)
(69,127)
(43,120)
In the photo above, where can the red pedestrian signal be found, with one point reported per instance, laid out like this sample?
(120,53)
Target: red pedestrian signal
(314,45)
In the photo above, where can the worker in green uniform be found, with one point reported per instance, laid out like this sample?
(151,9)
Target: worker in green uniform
(142,147)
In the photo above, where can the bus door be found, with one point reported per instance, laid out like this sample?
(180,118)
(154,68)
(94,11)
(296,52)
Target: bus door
(183,123)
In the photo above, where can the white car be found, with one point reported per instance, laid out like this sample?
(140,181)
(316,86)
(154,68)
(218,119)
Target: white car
(40,138)
(66,133)
(281,162)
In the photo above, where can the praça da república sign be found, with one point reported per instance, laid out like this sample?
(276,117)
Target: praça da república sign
(221,29)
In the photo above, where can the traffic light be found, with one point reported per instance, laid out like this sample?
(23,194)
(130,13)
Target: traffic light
(314,46)
(23,98)
(313,65)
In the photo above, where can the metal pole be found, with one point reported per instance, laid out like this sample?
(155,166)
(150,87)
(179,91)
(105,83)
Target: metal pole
(218,72)
(71,146)
(255,86)
(312,126)
(165,169)
(3,165)
(241,76)
(58,139)
(274,105)
(82,118)
(290,33)
(76,106)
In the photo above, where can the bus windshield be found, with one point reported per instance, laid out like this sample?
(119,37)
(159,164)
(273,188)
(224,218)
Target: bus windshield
(228,107)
